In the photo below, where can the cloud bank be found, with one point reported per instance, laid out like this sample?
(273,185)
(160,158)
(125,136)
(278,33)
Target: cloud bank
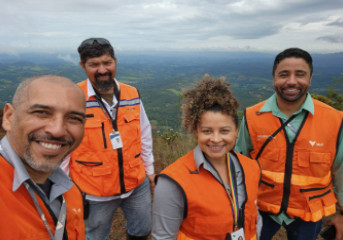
(224,25)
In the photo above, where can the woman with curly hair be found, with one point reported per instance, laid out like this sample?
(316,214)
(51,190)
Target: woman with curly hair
(210,193)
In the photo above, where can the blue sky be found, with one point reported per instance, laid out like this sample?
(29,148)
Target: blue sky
(136,25)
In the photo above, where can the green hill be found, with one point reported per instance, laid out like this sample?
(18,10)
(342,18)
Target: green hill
(161,76)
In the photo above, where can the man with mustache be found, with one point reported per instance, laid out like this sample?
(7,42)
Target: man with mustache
(44,123)
(113,165)
(298,142)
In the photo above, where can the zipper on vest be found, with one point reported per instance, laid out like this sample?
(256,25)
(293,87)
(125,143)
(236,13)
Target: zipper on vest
(289,166)
(287,178)
(121,170)
(103,134)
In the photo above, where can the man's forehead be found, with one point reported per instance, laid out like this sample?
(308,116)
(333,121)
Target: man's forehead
(105,56)
(46,92)
(295,63)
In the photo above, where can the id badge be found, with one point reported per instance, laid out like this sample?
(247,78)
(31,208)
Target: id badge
(238,235)
(116,140)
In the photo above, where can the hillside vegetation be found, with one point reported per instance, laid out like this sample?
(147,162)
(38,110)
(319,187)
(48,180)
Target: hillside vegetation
(161,76)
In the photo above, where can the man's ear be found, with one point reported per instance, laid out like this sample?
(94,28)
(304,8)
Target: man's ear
(8,117)
(82,65)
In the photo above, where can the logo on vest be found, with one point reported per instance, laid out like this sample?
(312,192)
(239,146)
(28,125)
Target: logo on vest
(314,143)
(264,136)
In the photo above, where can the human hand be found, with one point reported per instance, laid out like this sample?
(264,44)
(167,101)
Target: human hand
(337,221)
(151,178)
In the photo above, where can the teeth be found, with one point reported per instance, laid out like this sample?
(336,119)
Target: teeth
(50,146)
(215,147)
(291,90)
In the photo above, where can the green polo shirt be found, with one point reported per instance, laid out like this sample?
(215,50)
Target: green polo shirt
(244,144)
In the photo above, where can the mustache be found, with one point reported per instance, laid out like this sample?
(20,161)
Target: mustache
(49,137)
(102,74)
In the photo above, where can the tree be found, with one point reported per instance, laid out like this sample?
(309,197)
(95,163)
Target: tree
(334,95)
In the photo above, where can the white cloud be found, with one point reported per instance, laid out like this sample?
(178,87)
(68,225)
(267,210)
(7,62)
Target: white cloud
(262,25)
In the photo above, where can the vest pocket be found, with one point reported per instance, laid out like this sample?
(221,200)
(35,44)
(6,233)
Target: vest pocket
(93,168)
(270,159)
(89,164)
(130,123)
(95,134)
(319,163)
(267,184)
(320,201)
(135,161)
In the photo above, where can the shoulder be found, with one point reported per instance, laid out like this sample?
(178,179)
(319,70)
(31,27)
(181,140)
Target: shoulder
(127,90)
(326,109)
(184,162)
(126,86)
(255,108)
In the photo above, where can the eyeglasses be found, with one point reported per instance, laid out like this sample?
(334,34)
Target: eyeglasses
(90,41)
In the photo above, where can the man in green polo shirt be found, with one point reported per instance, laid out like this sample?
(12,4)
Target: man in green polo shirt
(298,142)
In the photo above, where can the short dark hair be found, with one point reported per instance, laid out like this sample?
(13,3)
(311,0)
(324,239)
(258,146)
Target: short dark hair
(94,47)
(293,52)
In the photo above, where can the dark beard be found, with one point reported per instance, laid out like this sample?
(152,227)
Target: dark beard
(103,85)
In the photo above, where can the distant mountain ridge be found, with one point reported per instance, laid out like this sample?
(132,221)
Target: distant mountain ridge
(160,76)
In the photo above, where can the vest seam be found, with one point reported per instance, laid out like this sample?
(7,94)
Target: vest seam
(339,134)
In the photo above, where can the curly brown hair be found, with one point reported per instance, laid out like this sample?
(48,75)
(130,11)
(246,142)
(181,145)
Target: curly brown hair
(208,95)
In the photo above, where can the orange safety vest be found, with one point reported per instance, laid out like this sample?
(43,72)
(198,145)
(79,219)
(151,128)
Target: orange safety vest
(208,213)
(19,217)
(296,178)
(95,166)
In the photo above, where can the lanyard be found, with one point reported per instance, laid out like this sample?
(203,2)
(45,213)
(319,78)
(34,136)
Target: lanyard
(233,193)
(112,118)
(283,125)
(59,231)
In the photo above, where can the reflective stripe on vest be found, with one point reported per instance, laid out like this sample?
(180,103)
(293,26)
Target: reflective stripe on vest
(122,103)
